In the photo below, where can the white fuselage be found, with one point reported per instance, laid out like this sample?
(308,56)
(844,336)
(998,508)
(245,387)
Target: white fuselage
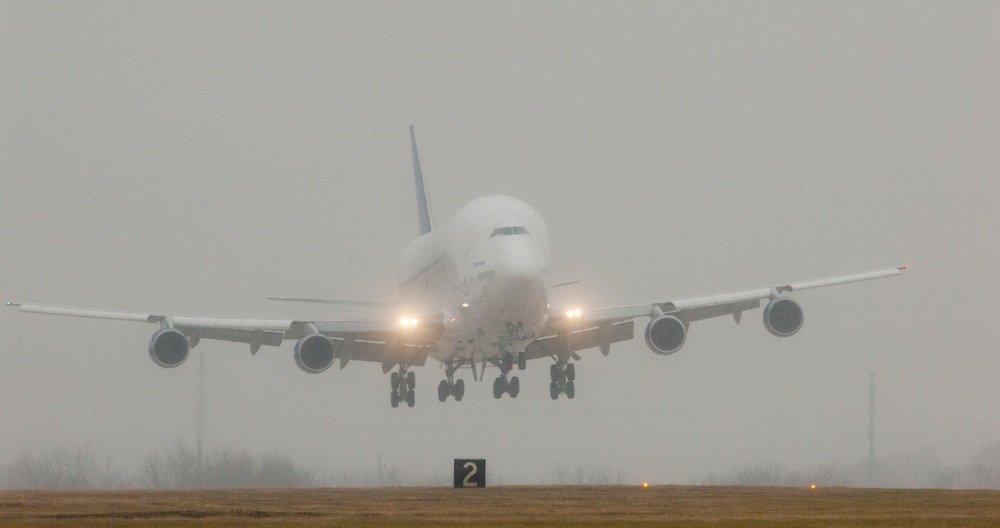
(487,271)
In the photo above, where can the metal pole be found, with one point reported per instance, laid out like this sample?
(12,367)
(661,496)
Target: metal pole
(871,432)
(201,408)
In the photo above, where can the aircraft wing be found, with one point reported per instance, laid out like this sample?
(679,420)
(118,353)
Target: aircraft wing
(378,340)
(568,332)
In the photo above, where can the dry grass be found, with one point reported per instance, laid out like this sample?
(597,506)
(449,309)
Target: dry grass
(505,506)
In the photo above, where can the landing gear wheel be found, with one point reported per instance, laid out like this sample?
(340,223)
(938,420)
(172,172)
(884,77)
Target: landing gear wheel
(554,390)
(555,373)
(411,380)
(458,391)
(570,372)
(394,381)
(410,398)
(443,390)
(514,387)
(394,400)
(499,387)
(522,361)
(570,390)
(508,362)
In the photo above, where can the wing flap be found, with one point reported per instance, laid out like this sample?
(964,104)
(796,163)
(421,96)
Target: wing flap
(582,339)
(254,337)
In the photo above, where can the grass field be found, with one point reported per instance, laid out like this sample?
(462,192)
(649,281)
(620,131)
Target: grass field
(539,506)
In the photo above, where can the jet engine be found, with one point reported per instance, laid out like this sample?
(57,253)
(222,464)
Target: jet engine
(315,353)
(665,334)
(168,347)
(783,317)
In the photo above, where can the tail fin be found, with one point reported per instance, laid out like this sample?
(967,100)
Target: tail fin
(423,210)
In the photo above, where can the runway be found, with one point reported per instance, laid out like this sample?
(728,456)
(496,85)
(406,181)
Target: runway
(505,506)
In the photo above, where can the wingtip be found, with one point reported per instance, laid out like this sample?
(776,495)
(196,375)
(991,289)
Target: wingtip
(904,267)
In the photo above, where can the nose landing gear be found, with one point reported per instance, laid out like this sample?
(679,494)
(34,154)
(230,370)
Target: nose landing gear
(502,384)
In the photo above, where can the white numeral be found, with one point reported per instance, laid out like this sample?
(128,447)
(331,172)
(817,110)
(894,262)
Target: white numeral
(475,469)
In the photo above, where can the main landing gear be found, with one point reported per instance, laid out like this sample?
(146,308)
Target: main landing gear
(503,385)
(562,375)
(403,383)
(451,386)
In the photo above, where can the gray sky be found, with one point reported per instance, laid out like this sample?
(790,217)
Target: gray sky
(199,157)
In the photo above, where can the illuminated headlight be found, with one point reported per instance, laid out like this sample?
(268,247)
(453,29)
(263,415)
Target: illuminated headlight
(406,322)
(572,313)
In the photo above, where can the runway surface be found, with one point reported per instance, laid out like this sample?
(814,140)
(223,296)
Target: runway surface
(505,506)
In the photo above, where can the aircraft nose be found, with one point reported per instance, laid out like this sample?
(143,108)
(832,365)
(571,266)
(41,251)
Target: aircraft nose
(520,280)
(520,264)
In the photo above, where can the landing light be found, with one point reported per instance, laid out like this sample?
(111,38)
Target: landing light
(572,313)
(812,487)
(407,322)
(645,485)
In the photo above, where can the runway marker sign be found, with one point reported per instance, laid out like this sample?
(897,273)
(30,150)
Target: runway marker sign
(470,473)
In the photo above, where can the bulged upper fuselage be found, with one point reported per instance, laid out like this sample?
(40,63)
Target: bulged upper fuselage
(486,270)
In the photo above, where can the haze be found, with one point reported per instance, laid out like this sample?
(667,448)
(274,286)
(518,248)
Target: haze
(196,158)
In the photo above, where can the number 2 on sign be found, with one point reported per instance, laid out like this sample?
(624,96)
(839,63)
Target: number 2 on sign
(470,474)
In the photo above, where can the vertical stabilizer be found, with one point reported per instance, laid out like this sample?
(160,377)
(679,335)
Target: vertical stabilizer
(423,210)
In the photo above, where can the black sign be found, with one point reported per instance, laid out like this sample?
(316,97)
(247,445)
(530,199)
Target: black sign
(470,473)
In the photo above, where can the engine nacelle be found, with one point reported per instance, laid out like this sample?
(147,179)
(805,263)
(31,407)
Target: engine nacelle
(315,353)
(665,334)
(168,347)
(783,317)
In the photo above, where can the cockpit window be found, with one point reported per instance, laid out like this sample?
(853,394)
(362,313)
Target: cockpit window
(503,231)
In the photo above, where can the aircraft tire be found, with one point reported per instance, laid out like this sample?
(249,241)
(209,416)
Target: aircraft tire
(411,380)
(498,388)
(570,372)
(522,361)
(394,381)
(514,387)
(458,391)
(554,390)
(570,390)
(443,390)
(394,399)
(411,398)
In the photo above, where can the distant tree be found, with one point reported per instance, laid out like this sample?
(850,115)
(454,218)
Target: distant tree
(223,468)
(581,475)
(760,475)
(63,469)
(983,471)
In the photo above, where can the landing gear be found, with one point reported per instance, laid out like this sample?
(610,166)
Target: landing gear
(522,361)
(451,386)
(402,383)
(506,362)
(502,385)
(562,375)
(455,388)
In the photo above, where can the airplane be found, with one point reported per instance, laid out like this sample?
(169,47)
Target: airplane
(473,292)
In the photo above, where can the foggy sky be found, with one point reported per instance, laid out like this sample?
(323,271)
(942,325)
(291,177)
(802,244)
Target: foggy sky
(195,158)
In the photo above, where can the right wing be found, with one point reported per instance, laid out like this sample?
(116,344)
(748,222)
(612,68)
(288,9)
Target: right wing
(571,331)
(378,340)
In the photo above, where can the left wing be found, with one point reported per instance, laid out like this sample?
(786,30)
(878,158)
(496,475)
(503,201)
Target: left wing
(568,332)
(320,342)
